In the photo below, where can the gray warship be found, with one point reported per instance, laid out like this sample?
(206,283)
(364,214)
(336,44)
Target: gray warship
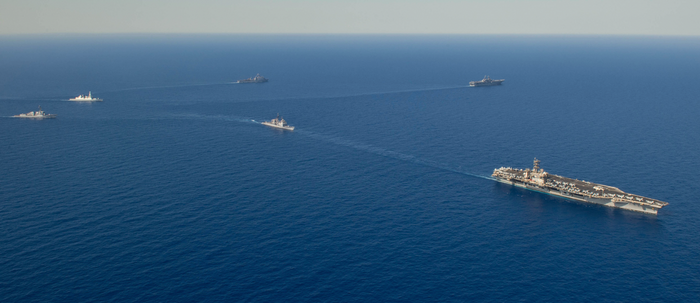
(257,79)
(278,123)
(487,81)
(40,114)
(536,179)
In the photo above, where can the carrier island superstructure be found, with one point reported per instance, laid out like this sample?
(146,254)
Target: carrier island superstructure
(536,179)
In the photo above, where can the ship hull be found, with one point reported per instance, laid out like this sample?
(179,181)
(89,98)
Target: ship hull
(575,197)
(86,100)
(52,116)
(485,84)
(290,128)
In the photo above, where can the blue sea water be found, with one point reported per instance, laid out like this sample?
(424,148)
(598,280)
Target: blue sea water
(171,191)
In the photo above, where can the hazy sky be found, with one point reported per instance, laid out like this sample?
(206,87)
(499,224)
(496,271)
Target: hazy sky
(635,17)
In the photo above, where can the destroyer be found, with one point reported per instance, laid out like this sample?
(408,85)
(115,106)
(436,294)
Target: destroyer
(487,81)
(40,114)
(257,79)
(278,123)
(85,98)
(536,179)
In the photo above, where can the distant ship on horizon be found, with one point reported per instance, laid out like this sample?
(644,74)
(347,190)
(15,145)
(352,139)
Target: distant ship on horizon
(487,81)
(85,98)
(40,114)
(278,123)
(257,79)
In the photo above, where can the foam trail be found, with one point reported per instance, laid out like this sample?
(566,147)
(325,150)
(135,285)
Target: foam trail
(347,143)
(33,99)
(359,95)
(402,91)
(388,153)
(216,117)
(164,86)
(270,99)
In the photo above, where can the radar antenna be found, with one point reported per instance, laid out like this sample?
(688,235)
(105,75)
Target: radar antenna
(536,166)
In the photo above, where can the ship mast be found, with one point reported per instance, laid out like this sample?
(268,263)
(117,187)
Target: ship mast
(536,166)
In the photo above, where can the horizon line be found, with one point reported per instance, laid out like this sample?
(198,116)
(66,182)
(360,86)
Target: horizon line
(339,34)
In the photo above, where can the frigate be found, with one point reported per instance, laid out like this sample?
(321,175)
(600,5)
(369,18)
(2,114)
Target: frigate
(40,114)
(536,179)
(88,98)
(487,81)
(278,123)
(257,79)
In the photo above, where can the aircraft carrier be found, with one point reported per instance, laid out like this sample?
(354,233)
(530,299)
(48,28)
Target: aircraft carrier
(536,179)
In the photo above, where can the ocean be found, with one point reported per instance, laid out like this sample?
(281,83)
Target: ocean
(172,191)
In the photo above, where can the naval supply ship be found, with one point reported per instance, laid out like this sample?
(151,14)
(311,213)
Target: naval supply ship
(487,81)
(85,98)
(40,114)
(257,79)
(278,123)
(536,179)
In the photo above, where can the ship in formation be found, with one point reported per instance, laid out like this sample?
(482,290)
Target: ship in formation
(257,79)
(87,98)
(40,114)
(536,179)
(487,81)
(278,123)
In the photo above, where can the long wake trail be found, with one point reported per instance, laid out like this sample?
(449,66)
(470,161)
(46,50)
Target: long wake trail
(347,143)
(256,100)
(388,153)
(213,117)
(361,94)
(164,86)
